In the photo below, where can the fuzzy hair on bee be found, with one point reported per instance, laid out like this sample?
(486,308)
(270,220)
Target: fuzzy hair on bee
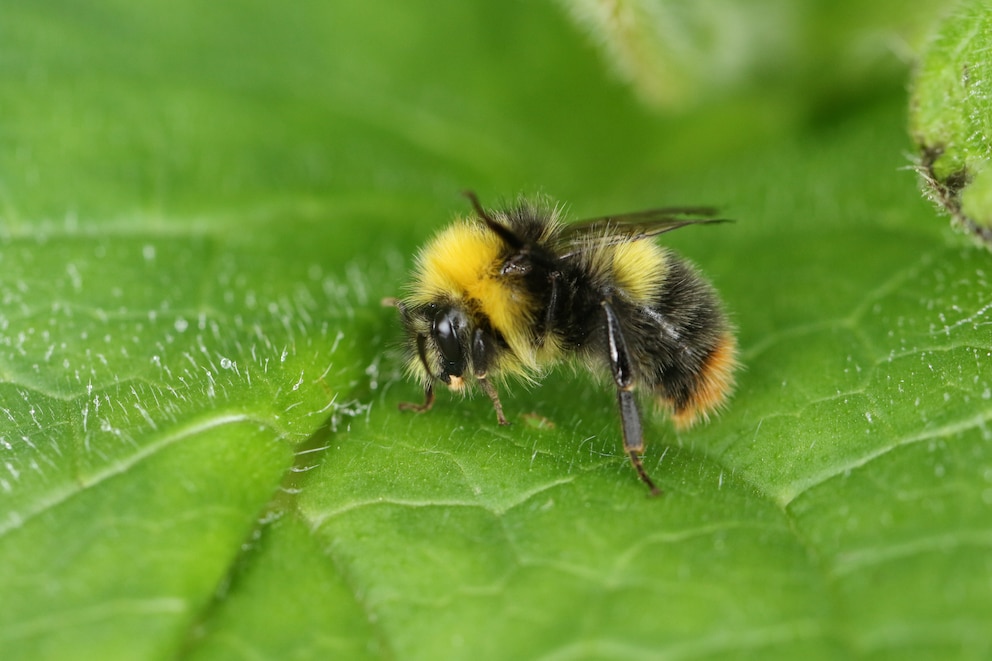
(509,293)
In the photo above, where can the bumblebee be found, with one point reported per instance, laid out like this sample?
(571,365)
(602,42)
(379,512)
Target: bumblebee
(508,293)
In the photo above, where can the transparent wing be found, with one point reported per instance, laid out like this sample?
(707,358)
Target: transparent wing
(610,230)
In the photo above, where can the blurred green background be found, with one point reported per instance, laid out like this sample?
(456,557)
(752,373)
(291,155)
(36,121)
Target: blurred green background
(201,206)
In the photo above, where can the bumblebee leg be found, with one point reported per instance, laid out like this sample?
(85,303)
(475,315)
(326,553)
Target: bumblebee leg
(429,388)
(630,417)
(421,408)
(490,390)
(633,439)
(481,354)
(549,315)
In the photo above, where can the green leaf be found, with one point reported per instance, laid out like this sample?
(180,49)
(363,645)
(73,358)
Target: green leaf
(950,117)
(200,449)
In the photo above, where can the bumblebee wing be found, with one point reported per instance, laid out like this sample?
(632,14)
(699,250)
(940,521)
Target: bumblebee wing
(610,230)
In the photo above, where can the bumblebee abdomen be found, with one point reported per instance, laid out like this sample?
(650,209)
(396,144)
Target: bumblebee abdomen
(693,354)
(636,270)
(680,342)
(640,269)
(710,386)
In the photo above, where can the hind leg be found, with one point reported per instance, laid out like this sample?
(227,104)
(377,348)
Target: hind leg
(623,378)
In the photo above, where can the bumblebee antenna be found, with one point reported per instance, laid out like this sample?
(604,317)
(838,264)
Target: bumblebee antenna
(501,230)
(477,206)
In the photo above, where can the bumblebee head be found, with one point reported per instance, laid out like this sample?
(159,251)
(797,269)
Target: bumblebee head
(438,337)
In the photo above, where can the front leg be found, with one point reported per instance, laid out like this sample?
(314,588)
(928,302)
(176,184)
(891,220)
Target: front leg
(623,377)
(429,387)
(428,401)
(490,390)
(482,354)
(550,314)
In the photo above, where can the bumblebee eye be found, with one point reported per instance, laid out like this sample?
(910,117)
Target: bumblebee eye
(445,331)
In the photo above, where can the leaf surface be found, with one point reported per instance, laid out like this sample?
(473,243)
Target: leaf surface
(200,449)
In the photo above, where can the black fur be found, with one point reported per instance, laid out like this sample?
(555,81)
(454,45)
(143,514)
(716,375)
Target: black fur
(669,341)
